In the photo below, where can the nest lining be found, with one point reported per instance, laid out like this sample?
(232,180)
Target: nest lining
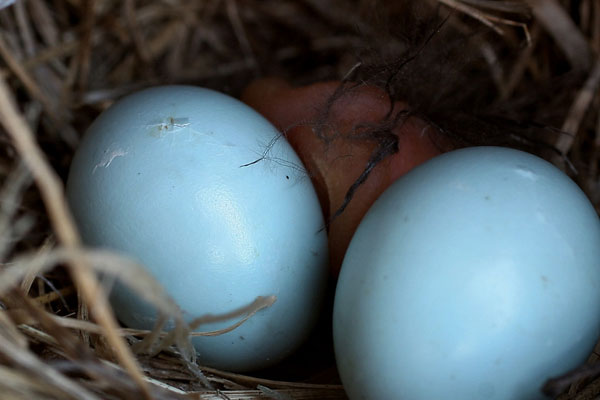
(520,74)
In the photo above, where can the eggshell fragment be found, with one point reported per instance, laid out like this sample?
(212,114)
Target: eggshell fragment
(206,194)
(474,276)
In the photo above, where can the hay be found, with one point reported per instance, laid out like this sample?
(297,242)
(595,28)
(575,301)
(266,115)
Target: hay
(64,61)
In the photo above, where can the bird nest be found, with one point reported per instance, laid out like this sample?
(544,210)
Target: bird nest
(523,74)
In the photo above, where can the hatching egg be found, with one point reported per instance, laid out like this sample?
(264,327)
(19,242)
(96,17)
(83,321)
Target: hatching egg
(474,276)
(211,199)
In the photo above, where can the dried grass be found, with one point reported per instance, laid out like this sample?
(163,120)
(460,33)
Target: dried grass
(63,61)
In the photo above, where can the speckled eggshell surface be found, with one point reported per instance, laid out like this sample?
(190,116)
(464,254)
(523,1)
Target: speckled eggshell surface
(474,276)
(168,176)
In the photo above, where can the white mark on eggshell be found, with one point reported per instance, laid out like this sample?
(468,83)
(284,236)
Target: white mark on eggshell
(541,217)
(108,158)
(526,173)
(171,124)
(461,186)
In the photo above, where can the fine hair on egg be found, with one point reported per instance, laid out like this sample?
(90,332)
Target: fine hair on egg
(296,172)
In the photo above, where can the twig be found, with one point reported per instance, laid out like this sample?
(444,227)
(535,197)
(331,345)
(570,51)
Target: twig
(250,380)
(516,7)
(50,188)
(30,84)
(32,364)
(85,44)
(25,28)
(50,297)
(595,35)
(11,195)
(473,12)
(36,92)
(42,18)
(136,36)
(520,65)
(564,31)
(240,32)
(273,393)
(578,109)
(31,274)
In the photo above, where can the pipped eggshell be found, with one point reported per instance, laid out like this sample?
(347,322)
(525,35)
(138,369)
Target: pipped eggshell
(209,197)
(474,276)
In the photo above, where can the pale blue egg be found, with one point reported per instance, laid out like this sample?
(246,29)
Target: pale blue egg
(214,202)
(475,276)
